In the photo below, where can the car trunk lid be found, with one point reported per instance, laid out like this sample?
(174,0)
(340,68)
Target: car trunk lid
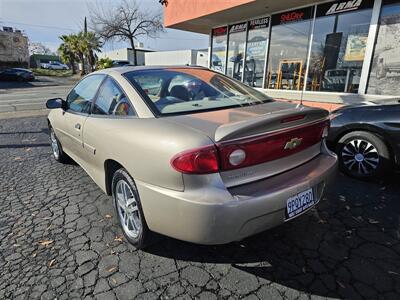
(275,137)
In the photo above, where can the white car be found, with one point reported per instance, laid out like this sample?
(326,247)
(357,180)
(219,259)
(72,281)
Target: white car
(54,65)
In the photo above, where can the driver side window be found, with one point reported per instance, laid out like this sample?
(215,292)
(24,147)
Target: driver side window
(111,100)
(81,97)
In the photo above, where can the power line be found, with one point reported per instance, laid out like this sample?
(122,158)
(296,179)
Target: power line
(36,25)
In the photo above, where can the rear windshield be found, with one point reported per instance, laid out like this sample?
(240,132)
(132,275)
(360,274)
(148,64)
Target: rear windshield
(175,91)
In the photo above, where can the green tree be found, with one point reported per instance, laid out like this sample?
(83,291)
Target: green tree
(104,63)
(90,44)
(66,53)
(78,48)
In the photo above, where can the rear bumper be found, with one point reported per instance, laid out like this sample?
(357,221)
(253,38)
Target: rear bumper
(215,215)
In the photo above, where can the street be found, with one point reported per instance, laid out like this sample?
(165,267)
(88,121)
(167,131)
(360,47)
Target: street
(59,238)
(26,96)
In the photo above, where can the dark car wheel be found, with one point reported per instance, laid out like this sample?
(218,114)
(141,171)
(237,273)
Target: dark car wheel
(363,155)
(58,153)
(129,210)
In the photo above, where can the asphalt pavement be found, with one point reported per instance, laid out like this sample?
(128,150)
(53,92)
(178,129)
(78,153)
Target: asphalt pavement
(31,96)
(59,238)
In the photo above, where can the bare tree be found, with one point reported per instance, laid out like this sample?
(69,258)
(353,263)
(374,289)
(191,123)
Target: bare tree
(126,21)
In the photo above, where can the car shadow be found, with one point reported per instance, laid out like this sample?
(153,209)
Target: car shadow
(347,247)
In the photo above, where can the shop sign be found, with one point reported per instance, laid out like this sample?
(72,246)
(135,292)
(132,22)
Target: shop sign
(343,6)
(219,31)
(259,23)
(292,16)
(238,27)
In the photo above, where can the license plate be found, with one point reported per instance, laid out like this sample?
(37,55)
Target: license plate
(299,203)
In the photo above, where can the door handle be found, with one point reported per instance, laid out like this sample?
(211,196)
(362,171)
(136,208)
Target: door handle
(78,126)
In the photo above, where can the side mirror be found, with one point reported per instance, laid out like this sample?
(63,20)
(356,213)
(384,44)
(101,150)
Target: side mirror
(56,103)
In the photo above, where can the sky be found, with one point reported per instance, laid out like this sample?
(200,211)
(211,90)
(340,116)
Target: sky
(45,20)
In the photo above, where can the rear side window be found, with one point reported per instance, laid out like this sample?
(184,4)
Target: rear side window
(111,100)
(172,91)
(81,97)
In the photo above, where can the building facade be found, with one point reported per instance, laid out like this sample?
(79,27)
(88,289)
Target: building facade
(340,51)
(13,48)
(126,54)
(177,57)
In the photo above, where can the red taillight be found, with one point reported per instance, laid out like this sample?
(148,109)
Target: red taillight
(197,161)
(271,146)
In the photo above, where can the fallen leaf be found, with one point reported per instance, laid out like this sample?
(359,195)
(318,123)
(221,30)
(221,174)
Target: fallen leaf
(52,262)
(28,149)
(18,158)
(372,221)
(34,254)
(45,243)
(112,269)
(108,216)
(114,281)
(118,239)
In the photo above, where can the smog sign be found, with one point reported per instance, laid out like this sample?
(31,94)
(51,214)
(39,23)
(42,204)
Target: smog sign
(240,27)
(292,16)
(259,23)
(219,31)
(333,8)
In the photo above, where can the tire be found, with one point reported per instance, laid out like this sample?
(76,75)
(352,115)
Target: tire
(135,228)
(363,155)
(58,153)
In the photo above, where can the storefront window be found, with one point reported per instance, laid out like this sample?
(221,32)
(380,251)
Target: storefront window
(257,41)
(384,76)
(218,50)
(290,36)
(236,47)
(339,44)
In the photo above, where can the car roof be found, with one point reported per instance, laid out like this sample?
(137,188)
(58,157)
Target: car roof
(126,69)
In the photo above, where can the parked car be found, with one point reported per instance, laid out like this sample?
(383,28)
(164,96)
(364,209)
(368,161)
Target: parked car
(210,169)
(366,138)
(16,74)
(120,63)
(54,65)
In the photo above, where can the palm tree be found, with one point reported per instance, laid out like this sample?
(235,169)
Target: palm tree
(66,53)
(77,47)
(91,42)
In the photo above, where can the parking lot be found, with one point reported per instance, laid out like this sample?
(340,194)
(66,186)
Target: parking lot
(59,238)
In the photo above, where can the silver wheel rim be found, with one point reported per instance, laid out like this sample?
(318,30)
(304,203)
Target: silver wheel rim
(128,210)
(54,144)
(360,156)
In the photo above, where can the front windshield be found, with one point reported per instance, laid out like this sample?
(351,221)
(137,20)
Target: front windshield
(189,90)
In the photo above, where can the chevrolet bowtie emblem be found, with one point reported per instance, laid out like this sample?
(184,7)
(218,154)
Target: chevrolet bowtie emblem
(293,143)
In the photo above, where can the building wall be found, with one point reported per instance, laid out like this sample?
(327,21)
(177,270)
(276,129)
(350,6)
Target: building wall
(179,11)
(125,54)
(13,49)
(179,58)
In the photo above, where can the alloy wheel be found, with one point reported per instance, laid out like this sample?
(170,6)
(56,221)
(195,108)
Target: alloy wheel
(360,156)
(54,144)
(128,209)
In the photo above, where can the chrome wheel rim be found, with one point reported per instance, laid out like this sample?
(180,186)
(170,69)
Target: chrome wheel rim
(128,210)
(360,156)
(54,144)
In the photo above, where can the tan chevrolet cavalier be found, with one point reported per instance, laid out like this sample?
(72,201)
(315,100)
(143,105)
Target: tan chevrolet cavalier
(192,154)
